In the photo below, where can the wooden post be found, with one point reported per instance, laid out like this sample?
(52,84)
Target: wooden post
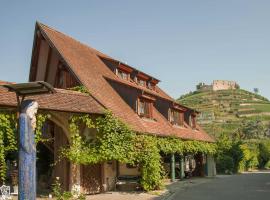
(75,178)
(172,167)
(181,164)
(206,165)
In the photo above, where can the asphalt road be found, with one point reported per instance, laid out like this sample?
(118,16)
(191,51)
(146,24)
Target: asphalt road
(253,186)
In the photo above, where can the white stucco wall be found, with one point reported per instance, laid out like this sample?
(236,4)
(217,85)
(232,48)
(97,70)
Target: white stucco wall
(125,171)
(109,175)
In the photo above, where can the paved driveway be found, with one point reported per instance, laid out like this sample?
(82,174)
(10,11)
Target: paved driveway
(250,186)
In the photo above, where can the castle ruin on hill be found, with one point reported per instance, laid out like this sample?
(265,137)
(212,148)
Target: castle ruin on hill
(218,85)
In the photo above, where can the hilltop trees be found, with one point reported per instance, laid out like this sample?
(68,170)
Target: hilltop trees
(256,90)
(250,129)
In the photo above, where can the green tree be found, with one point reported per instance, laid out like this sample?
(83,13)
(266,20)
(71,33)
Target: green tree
(256,90)
(199,86)
(250,129)
(264,157)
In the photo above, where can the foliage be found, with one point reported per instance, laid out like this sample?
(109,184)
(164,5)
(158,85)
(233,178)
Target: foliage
(149,159)
(256,90)
(116,141)
(8,136)
(41,118)
(8,142)
(264,157)
(245,154)
(199,86)
(251,129)
(250,156)
(59,194)
(81,89)
(223,111)
(225,164)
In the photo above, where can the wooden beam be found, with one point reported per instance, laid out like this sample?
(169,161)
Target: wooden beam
(48,64)
(33,72)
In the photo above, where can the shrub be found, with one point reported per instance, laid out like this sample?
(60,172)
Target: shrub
(264,157)
(225,164)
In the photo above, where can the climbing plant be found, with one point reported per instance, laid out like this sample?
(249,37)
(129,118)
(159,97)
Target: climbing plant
(116,141)
(81,89)
(8,142)
(8,136)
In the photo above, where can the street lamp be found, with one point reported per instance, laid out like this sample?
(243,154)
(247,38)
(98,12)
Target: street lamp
(26,113)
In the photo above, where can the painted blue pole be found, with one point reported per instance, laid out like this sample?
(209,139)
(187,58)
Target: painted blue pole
(27,150)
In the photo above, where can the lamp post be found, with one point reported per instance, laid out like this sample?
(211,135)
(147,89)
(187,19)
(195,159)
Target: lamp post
(27,110)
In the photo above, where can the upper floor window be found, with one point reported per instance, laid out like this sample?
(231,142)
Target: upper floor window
(122,74)
(192,121)
(151,86)
(176,117)
(64,79)
(145,108)
(141,82)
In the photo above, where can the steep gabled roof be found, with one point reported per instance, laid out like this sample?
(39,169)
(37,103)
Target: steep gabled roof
(86,64)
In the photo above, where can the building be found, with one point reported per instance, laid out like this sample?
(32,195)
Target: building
(217,85)
(224,85)
(132,95)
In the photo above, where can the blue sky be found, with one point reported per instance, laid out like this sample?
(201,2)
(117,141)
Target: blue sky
(179,42)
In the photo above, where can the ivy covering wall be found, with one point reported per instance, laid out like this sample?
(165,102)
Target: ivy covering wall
(8,137)
(116,141)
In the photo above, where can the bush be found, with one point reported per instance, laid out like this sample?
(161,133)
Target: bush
(250,156)
(264,157)
(59,194)
(225,164)
(267,165)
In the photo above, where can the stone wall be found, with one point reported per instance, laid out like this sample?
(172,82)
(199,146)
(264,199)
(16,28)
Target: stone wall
(224,85)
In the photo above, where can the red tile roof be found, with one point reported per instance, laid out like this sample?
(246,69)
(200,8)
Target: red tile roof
(62,100)
(4,82)
(86,64)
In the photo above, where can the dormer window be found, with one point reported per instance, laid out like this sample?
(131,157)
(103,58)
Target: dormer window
(122,74)
(176,117)
(141,82)
(145,107)
(151,86)
(192,121)
(123,71)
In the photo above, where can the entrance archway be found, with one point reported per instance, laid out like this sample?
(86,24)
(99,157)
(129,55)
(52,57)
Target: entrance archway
(48,164)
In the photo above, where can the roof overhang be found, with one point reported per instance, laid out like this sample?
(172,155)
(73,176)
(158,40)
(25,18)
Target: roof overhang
(31,88)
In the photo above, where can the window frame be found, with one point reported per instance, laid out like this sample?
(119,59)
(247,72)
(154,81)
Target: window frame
(180,120)
(120,72)
(148,104)
(140,80)
(193,122)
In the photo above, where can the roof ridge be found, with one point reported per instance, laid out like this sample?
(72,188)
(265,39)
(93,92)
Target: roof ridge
(97,52)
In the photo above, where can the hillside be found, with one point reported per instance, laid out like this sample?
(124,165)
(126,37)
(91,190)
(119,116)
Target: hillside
(222,111)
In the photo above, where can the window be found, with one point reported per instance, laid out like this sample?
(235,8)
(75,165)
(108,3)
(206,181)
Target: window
(193,121)
(141,82)
(123,75)
(64,79)
(151,86)
(145,108)
(176,117)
